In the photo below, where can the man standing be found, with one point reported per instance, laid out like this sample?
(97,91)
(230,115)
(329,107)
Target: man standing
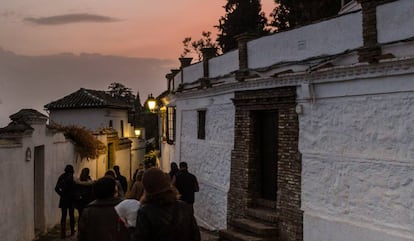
(121,179)
(186,184)
(65,188)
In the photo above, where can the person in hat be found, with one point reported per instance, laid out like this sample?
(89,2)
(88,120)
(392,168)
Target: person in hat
(65,188)
(162,216)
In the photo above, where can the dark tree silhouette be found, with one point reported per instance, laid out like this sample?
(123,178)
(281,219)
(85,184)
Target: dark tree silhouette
(242,16)
(293,13)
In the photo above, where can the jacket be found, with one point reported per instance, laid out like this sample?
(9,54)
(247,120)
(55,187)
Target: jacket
(65,188)
(99,221)
(174,222)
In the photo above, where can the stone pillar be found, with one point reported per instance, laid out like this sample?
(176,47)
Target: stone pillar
(242,40)
(185,62)
(371,51)
(208,53)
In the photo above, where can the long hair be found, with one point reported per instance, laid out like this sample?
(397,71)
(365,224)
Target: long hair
(161,199)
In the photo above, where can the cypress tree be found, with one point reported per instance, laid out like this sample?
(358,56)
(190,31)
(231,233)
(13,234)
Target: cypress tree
(241,16)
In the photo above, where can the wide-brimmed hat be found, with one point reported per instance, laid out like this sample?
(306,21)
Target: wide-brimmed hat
(156,181)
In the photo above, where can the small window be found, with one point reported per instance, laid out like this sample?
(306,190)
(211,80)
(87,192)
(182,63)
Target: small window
(111,124)
(122,128)
(171,115)
(201,134)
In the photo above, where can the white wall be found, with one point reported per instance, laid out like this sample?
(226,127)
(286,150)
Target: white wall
(358,160)
(395,21)
(344,33)
(92,119)
(208,159)
(17,183)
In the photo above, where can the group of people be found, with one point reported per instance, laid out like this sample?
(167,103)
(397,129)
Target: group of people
(157,206)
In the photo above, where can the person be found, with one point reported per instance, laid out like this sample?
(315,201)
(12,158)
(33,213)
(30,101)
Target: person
(162,216)
(83,191)
(186,184)
(65,188)
(137,189)
(127,212)
(121,179)
(119,190)
(173,170)
(99,219)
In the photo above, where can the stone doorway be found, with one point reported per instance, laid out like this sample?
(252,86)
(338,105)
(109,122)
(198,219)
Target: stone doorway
(265,178)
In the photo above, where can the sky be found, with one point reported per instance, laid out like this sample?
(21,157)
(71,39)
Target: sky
(49,49)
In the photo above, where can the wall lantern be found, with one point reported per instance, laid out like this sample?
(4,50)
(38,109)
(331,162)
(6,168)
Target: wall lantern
(28,154)
(138,133)
(151,102)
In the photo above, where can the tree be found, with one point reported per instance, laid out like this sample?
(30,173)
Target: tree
(242,16)
(196,46)
(293,13)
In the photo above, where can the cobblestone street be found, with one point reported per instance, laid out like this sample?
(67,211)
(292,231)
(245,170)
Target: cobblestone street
(54,235)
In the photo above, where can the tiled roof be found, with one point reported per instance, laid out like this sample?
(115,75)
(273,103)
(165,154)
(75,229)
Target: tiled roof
(86,98)
(21,122)
(27,114)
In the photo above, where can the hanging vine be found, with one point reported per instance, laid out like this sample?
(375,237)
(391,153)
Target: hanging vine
(86,144)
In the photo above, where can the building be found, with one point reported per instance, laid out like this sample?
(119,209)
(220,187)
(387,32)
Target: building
(100,112)
(304,134)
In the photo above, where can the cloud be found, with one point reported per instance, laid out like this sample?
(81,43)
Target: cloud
(33,81)
(71,18)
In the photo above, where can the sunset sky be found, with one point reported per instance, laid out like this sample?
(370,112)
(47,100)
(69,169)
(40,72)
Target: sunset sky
(134,42)
(134,28)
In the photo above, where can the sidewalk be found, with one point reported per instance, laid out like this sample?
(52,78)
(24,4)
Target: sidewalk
(54,235)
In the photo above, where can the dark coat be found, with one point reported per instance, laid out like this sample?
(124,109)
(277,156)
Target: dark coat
(83,194)
(100,221)
(65,188)
(174,222)
(186,184)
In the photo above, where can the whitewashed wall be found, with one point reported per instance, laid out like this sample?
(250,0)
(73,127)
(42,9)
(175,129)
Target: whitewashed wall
(208,159)
(225,64)
(344,33)
(92,119)
(16,180)
(395,21)
(358,160)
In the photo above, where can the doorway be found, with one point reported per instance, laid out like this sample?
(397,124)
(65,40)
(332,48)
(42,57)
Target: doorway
(39,189)
(266,141)
(111,155)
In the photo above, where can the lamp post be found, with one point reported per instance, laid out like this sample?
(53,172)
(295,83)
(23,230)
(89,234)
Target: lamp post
(152,103)
(152,124)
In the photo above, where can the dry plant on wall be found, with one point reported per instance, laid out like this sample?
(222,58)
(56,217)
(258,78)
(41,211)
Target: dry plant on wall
(86,144)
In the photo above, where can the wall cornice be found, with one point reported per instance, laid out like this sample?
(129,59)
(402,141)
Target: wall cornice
(333,74)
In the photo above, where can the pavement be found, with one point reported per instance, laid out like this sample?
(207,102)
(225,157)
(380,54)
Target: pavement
(54,235)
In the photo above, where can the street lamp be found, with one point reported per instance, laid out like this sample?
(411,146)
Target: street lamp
(151,102)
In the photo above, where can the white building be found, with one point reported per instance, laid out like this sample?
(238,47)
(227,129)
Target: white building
(98,111)
(309,130)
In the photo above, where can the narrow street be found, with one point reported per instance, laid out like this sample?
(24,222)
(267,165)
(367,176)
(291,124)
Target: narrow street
(54,235)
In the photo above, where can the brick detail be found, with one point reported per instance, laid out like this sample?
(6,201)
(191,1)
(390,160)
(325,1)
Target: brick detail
(371,51)
(242,40)
(242,193)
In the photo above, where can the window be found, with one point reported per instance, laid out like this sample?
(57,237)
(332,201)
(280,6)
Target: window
(122,128)
(171,124)
(201,134)
(110,123)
